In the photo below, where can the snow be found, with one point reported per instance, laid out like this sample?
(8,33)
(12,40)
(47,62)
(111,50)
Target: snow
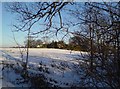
(58,65)
(0,70)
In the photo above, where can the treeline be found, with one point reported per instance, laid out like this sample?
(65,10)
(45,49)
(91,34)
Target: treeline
(73,44)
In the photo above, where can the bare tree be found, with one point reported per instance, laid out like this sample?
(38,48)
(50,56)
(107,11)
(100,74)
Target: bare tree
(30,14)
(102,24)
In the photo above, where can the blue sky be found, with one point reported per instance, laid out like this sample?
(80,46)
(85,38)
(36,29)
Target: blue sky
(8,19)
(0,23)
(7,35)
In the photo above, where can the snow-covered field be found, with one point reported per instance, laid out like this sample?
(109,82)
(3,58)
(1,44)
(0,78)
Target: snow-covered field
(60,67)
(0,71)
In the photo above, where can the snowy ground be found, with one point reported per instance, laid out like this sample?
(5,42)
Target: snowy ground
(60,67)
(0,70)
(4,81)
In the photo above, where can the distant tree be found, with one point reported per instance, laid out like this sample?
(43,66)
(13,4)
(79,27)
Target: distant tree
(38,42)
(32,42)
(79,43)
(61,44)
(53,44)
(45,39)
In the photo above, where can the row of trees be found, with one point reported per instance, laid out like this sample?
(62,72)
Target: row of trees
(74,44)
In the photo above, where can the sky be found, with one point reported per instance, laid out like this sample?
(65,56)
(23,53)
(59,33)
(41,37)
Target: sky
(7,35)
(0,24)
(7,19)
